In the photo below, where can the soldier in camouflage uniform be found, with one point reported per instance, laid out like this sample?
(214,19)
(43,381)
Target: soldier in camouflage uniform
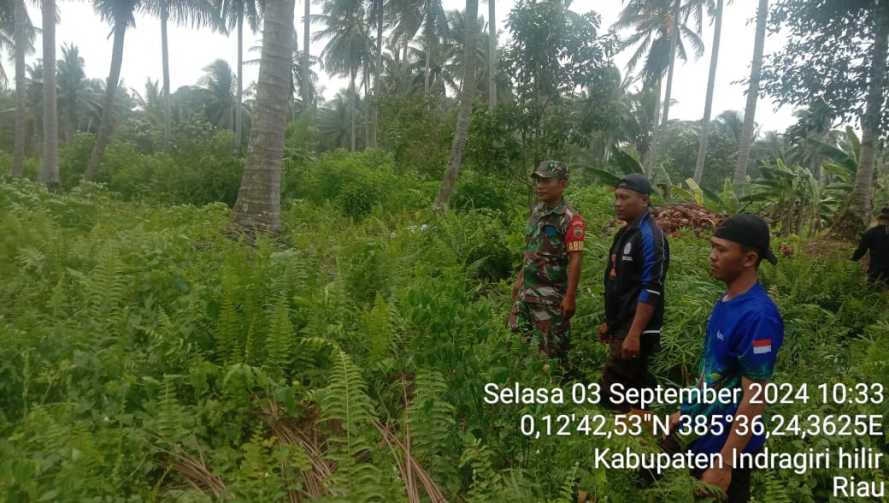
(545,290)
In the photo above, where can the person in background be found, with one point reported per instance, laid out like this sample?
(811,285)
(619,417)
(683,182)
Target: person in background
(544,293)
(875,242)
(634,292)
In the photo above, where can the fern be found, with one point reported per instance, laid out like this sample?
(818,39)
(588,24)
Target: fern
(171,418)
(377,329)
(347,411)
(775,490)
(31,259)
(566,492)
(228,344)
(280,339)
(252,343)
(485,480)
(431,419)
(106,288)
(57,299)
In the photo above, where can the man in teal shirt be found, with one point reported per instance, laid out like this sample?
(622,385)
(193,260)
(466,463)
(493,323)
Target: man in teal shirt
(744,333)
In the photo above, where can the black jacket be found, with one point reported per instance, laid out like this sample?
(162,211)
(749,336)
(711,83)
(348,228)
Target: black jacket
(876,242)
(636,271)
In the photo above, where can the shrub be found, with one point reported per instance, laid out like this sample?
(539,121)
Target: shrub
(475,190)
(198,168)
(356,183)
(73,158)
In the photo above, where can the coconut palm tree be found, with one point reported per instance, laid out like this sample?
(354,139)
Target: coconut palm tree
(258,207)
(334,124)
(463,115)
(221,102)
(752,94)
(34,100)
(121,15)
(22,43)
(410,16)
(49,173)
(716,14)
(377,19)
(75,97)
(151,103)
(234,13)
(731,124)
(857,213)
(7,32)
(812,123)
(307,54)
(660,34)
(348,45)
(198,13)
(451,67)
(674,40)
(492,55)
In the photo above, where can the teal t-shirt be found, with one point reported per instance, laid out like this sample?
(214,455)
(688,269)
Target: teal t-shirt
(743,338)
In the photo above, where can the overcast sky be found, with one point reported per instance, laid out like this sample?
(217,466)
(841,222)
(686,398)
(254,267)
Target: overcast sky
(191,51)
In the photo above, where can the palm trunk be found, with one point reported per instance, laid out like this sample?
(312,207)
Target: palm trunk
(648,158)
(165,64)
(258,208)
(378,85)
(405,77)
(752,94)
(492,56)
(21,97)
(238,112)
(674,41)
(352,107)
(428,63)
(307,30)
(364,116)
(662,123)
(708,103)
(50,172)
(857,213)
(453,171)
(103,135)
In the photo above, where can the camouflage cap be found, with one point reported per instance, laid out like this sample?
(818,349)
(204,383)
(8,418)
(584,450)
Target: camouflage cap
(551,169)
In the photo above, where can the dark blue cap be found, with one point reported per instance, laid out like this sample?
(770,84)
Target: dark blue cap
(637,183)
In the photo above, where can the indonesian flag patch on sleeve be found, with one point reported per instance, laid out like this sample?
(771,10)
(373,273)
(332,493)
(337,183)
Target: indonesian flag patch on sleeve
(761,346)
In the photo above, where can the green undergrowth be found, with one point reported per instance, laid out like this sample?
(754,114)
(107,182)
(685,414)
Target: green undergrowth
(144,355)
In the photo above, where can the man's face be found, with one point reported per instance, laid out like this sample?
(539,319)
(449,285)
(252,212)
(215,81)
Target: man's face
(629,204)
(728,259)
(549,190)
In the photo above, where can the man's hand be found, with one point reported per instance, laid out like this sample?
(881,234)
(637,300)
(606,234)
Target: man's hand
(569,305)
(719,477)
(512,318)
(630,347)
(602,331)
(517,285)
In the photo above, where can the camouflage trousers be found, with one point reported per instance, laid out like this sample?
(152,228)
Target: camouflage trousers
(544,324)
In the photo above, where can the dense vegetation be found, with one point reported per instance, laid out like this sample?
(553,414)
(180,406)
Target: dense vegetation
(247,292)
(145,355)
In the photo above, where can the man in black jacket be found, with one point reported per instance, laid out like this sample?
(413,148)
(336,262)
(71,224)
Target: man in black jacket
(876,242)
(634,293)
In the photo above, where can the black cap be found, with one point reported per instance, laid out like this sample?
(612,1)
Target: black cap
(884,213)
(747,230)
(636,183)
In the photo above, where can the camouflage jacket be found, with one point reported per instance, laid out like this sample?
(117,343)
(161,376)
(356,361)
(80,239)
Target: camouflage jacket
(550,235)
